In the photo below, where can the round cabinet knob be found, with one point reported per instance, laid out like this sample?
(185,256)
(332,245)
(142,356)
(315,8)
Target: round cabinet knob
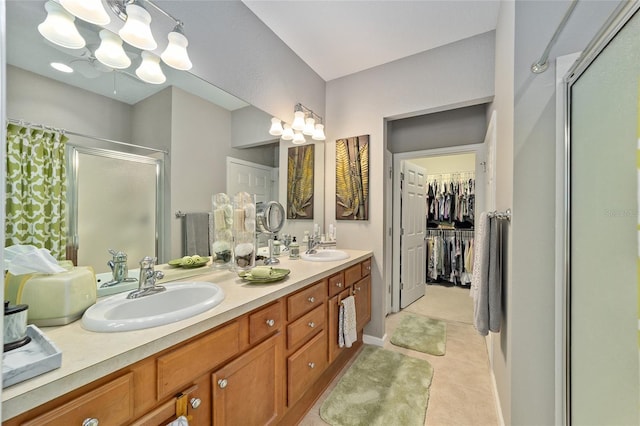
(90,422)
(358,288)
(369,268)
(195,402)
(339,284)
(312,365)
(271,322)
(312,324)
(311,299)
(222,383)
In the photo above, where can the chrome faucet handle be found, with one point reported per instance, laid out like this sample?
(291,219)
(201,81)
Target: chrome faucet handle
(147,284)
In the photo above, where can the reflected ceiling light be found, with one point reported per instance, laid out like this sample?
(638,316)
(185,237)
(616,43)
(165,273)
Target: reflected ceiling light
(88,10)
(137,28)
(287,133)
(318,133)
(61,67)
(175,55)
(149,70)
(111,52)
(298,138)
(58,27)
(276,127)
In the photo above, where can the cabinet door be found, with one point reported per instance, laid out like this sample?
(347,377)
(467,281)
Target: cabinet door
(333,318)
(362,291)
(248,390)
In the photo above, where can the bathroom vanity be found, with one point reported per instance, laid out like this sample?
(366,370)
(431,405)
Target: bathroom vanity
(262,356)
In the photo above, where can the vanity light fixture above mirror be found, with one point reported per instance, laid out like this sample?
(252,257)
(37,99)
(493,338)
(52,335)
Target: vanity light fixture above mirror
(305,122)
(59,28)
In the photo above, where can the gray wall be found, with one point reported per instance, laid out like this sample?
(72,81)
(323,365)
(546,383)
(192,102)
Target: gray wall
(459,126)
(524,357)
(358,104)
(239,54)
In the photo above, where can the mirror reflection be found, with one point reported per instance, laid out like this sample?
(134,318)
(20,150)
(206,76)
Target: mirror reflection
(186,127)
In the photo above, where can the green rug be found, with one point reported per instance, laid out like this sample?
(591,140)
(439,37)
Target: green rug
(380,388)
(421,334)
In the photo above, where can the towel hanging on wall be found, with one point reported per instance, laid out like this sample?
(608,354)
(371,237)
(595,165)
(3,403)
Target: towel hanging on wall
(196,234)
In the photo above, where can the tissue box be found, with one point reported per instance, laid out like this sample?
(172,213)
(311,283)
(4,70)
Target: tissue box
(53,299)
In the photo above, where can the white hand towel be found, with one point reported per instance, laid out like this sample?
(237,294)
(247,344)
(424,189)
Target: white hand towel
(341,326)
(180,421)
(350,333)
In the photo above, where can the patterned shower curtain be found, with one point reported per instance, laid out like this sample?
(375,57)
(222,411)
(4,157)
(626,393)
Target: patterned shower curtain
(36,186)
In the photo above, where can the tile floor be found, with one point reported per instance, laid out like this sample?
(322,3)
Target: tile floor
(461,391)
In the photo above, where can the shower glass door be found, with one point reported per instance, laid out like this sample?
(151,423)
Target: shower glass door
(602,310)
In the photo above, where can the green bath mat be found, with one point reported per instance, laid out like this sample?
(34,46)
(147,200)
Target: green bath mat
(421,334)
(380,388)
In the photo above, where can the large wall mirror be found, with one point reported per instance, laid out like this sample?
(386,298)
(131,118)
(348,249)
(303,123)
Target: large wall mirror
(187,125)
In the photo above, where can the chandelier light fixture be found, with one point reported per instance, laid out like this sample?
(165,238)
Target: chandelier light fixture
(305,122)
(59,28)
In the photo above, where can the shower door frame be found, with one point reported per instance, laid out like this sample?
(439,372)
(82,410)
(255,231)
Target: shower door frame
(608,32)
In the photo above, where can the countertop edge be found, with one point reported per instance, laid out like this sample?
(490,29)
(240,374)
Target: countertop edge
(27,395)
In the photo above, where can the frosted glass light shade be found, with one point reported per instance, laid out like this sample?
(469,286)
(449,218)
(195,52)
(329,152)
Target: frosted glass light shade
(111,52)
(175,55)
(58,27)
(149,70)
(88,10)
(287,133)
(298,139)
(298,121)
(276,127)
(137,28)
(309,126)
(318,134)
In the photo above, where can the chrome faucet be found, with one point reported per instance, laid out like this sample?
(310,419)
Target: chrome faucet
(119,269)
(147,282)
(316,241)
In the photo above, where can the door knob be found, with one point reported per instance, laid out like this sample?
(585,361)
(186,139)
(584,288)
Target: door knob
(222,383)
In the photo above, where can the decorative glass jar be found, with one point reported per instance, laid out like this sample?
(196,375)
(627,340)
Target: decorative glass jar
(221,252)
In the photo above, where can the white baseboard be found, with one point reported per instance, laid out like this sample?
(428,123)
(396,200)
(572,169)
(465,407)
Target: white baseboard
(372,340)
(498,406)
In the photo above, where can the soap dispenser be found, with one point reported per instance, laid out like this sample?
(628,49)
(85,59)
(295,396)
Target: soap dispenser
(294,249)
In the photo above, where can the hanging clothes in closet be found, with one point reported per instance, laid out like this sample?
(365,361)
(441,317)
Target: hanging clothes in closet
(449,256)
(451,199)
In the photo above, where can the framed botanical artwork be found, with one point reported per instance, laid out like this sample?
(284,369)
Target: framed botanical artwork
(300,182)
(352,178)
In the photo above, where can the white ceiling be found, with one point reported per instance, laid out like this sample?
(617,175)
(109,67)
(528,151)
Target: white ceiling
(339,37)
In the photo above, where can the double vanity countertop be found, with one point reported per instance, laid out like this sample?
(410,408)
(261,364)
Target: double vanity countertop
(87,356)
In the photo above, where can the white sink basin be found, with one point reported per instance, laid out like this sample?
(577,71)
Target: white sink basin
(180,301)
(327,255)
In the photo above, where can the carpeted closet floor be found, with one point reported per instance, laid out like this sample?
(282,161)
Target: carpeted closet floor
(461,391)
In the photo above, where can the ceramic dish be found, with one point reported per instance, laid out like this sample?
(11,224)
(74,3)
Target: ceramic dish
(276,275)
(181,262)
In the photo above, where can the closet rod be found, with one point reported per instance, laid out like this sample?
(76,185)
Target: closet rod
(82,135)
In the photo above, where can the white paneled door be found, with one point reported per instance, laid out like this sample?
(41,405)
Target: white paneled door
(249,177)
(413,222)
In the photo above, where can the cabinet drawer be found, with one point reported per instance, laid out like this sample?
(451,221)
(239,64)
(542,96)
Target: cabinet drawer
(264,322)
(307,299)
(110,404)
(366,267)
(187,363)
(305,366)
(352,274)
(306,326)
(336,284)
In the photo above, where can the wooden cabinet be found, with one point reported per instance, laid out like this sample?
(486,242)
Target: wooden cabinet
(362,293)
(248,390)
(264,367)
(109,404)
(305,366)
